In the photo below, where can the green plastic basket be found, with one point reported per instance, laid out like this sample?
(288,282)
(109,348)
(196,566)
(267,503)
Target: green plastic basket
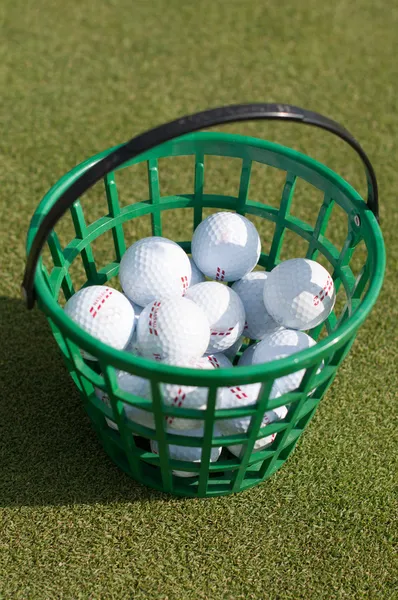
(128,446)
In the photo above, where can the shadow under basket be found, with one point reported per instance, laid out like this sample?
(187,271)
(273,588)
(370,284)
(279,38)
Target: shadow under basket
(283,235)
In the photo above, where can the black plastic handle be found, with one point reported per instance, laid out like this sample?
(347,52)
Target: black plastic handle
(163,133)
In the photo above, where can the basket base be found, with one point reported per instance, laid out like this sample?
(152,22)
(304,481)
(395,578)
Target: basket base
(219,483)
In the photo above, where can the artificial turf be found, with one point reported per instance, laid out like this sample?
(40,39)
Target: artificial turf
(80,77)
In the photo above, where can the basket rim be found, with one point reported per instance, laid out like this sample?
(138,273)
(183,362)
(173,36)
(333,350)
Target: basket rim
(146,367)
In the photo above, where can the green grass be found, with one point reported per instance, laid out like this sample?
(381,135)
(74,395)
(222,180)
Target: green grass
(78,78)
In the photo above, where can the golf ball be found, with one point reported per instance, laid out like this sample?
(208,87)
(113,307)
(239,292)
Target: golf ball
(226,246)
(154,268)
(250,290)
(173,327)
(224,311)
(185,396)
(104,313)
(299,294)
(187,453)
(278,345)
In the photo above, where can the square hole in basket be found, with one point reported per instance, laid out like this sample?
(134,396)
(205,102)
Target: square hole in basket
(93,202)
(287,450)
(177,224)
(61,298)
(323,333)
(337,228)
(65,230)
(176,175)
(103,250)
(77,273)
(293,246)
(359,258)
(266,230)
(341,304)
(138,228)
(222,175)
(306,202)
(266,184)
(132,184)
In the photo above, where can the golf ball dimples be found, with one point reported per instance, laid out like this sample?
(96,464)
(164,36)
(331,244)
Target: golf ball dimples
(154,268)
(273,415)
(226,246)
(104,313)
(279,345)
(185,396)
(173,327)
(224,311)
(250,290)
(103,396)
(299,294)
(187,453)
(138,386)
(196,276)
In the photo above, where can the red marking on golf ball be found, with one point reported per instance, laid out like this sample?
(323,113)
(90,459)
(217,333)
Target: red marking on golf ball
(324,292)
(178,400)
(153,319)
(220,274)
(238,393)
(214,361)
(185,285)
(222,333)
(98,302)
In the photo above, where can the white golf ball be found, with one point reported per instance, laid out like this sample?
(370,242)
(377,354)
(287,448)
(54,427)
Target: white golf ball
(137,386)
(104,313)
(187,453)
(197,276)
(219,361)
(173,327)
(226,246)
(273,415)
(299,294)
(185,396)
(224,311)
(247,356)
(245,395)
(250,290)
(278,345)
(154,268)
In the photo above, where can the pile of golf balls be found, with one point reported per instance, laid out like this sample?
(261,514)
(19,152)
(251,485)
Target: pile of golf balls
(178,310)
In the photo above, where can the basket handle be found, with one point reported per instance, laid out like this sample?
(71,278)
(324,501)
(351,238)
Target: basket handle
(188,124)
